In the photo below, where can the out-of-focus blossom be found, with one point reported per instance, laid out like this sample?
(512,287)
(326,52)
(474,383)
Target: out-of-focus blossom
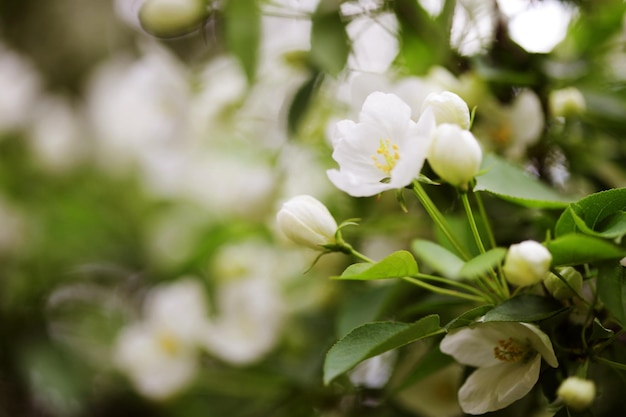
(159,353)
(473,26)
(526,263)
(448,108)
(169,18)
(306,221)
(20,85)
(511,129)
(385,150)
(566,102)
(374,372)
(577,393)
(508,357)
(455,155)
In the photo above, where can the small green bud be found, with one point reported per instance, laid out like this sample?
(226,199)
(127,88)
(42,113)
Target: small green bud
(170,18)
(558,288)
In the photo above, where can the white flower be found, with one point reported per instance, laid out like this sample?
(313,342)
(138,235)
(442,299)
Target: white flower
(385,150)
(455,154)
(577,393)
(374,372)
(307,221)
(159,353)
(448,108)
(566,102)
(171,17)
(508,358)
(526,263)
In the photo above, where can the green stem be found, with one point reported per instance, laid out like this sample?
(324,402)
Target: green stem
(444,291)
(453,283)
(612,364)
(472,222)
(438,218)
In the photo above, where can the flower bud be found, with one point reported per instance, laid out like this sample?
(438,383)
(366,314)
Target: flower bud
(448,108)
(566,102)
(559,289)
(577,393)
(306,221)
(526,263)
(455,154)
(168,18)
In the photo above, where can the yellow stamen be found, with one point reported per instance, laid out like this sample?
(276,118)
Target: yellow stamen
(386,156)
(511,350)
(502,134)
(168,343)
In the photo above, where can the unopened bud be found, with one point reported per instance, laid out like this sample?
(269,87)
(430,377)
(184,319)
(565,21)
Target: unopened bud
(577,393)
(306,221)
(455,154)
(169,18)
(559,289)
(448,108)
(526,263)
(566,102)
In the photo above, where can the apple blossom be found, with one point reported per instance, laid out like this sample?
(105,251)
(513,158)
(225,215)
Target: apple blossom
(566,102)
(577,393)
(455,155)
(307,221)
(384,150)
(508,357)
(526,263)
(448,108)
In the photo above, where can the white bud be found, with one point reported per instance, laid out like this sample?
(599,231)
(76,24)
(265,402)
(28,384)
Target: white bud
(455,154)
(566,102)
(448,108)
(168,18)
(306,221)
(558,288)
(577,393)
(526,263)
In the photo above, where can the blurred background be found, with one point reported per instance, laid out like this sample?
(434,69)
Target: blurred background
(141,272)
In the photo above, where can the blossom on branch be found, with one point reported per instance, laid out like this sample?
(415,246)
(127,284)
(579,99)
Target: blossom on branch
(384,150)
(508,357)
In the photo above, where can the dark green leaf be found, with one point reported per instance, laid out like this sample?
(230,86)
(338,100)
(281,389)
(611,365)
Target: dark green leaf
(329,40)
(397,265)
(243,32)
(513,184)
(372,339)
(526,308)
(482,263)
(363,307)
(440,259)
(576,249)
(612,289)
(468,317)
(300,103)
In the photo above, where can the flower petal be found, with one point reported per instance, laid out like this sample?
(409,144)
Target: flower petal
(495,387)
(354,185)
(474,345)
(542,344)
(387,113)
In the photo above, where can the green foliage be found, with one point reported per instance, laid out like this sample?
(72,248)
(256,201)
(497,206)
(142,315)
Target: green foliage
(243,30)
(612,289)
(577,249)
(329,41)
(397,265)
(372,339)
(440,259)
(482,263)
(601,214)
(301,102)
(525,308)
(509,182)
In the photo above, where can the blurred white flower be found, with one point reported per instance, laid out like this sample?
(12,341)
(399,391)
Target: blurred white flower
(159,353)
(526,263)
(20,85)
(448,108)
(566,102)
(306,221)
(248,320)
(508,357)
(374,372)
(577,393)
(455,155)
(385,150)
(473,26)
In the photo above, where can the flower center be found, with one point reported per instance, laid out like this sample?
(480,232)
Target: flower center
(168,343)
(502,134)
(511,350)
(386,156)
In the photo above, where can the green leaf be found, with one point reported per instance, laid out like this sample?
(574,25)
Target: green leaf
(482,263)
(243,32)
(513,184)
(601,214)
(468,317)
(526,308)
(576,249)
(372,339)
(329,40)
(363,307)
(397,265)
(300,103)
(438,258)
(612,289)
